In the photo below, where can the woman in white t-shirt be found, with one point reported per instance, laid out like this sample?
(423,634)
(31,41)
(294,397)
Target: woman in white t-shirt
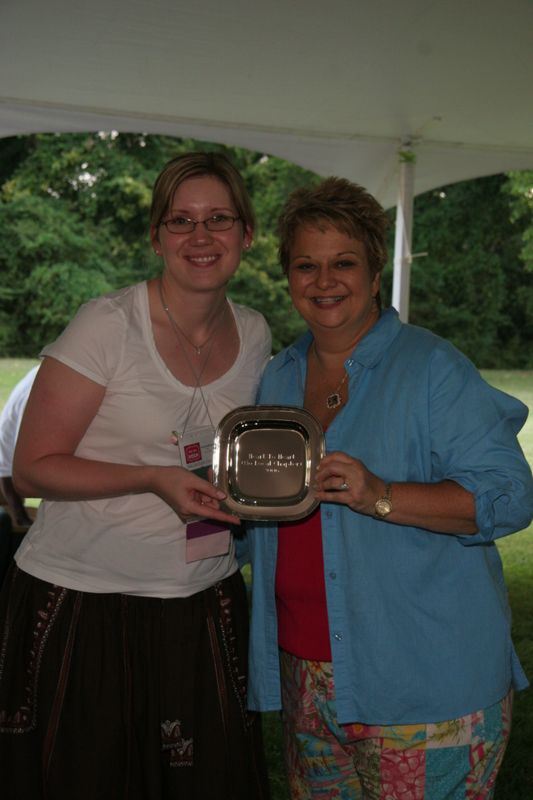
(124,632)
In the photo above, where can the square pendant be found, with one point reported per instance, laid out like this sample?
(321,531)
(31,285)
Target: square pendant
(333,400)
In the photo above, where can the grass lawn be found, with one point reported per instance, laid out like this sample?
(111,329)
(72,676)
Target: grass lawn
(12,370)
(516,778)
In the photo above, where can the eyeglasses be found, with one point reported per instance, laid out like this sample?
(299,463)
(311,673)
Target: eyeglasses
(218,222)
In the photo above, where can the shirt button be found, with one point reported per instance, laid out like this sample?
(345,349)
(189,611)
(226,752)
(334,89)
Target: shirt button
(332,575)
(350,362)
(338,636)
(329,514)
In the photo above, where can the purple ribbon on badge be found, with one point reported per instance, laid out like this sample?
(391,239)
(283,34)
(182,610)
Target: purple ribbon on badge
(204,527)
(206,539)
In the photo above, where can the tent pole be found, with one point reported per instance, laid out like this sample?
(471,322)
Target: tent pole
(403,233)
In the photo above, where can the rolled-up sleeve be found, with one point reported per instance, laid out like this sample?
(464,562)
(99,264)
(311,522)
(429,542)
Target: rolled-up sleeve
(474,443)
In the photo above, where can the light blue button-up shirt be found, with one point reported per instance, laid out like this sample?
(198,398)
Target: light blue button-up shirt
(419,621)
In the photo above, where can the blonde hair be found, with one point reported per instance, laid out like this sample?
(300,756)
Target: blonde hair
(193,165)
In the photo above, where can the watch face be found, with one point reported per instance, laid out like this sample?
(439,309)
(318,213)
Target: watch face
(265,458)
(383,507)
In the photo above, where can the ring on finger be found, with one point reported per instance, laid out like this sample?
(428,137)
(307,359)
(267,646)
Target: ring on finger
(343,487)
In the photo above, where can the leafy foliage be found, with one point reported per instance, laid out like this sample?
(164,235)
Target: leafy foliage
(74,223)
(258,283)
(473,287)
(519,186)
(50,264)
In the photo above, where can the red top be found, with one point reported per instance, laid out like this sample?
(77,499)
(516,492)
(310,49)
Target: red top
(301,591)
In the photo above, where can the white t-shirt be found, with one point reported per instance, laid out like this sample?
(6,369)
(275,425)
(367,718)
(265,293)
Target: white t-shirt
(10,420)
(135,544)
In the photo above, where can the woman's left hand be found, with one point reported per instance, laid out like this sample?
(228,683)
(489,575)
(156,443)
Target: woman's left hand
(343,479)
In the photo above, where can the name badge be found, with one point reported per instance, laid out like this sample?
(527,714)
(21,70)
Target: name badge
(196,448)
(204,538)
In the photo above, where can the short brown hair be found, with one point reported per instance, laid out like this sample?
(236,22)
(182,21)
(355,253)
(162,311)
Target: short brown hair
(342,204)
(194,165)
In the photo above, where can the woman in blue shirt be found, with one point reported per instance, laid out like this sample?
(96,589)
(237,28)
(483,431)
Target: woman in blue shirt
(381,624)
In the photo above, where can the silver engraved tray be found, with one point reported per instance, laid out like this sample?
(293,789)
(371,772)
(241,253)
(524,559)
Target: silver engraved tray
(265,458)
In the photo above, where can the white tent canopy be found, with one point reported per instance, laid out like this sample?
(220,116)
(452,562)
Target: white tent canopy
(336,87)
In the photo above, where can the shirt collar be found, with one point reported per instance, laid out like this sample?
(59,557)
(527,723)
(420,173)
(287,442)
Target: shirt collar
(368,352)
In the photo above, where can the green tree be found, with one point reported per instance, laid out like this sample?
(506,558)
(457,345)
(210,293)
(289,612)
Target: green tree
(519,186)
(50,264)
(74,223)
(472,287)
(270,180)
(75,209)
(259,284)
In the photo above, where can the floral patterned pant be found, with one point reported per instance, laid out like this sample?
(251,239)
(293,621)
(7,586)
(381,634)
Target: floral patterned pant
(453,760)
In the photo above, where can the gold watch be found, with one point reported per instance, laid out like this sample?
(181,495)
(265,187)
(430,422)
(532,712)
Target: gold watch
(383,505)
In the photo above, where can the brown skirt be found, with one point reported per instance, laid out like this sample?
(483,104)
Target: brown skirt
(118,697)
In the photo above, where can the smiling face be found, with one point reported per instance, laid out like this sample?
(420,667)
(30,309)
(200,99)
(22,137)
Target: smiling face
(330,282)
(202,260)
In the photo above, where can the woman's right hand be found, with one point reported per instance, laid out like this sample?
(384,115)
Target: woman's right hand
(190,496)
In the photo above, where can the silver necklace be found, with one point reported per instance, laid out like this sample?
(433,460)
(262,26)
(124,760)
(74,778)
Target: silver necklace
(333,400)
(197,375)
(177,329)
